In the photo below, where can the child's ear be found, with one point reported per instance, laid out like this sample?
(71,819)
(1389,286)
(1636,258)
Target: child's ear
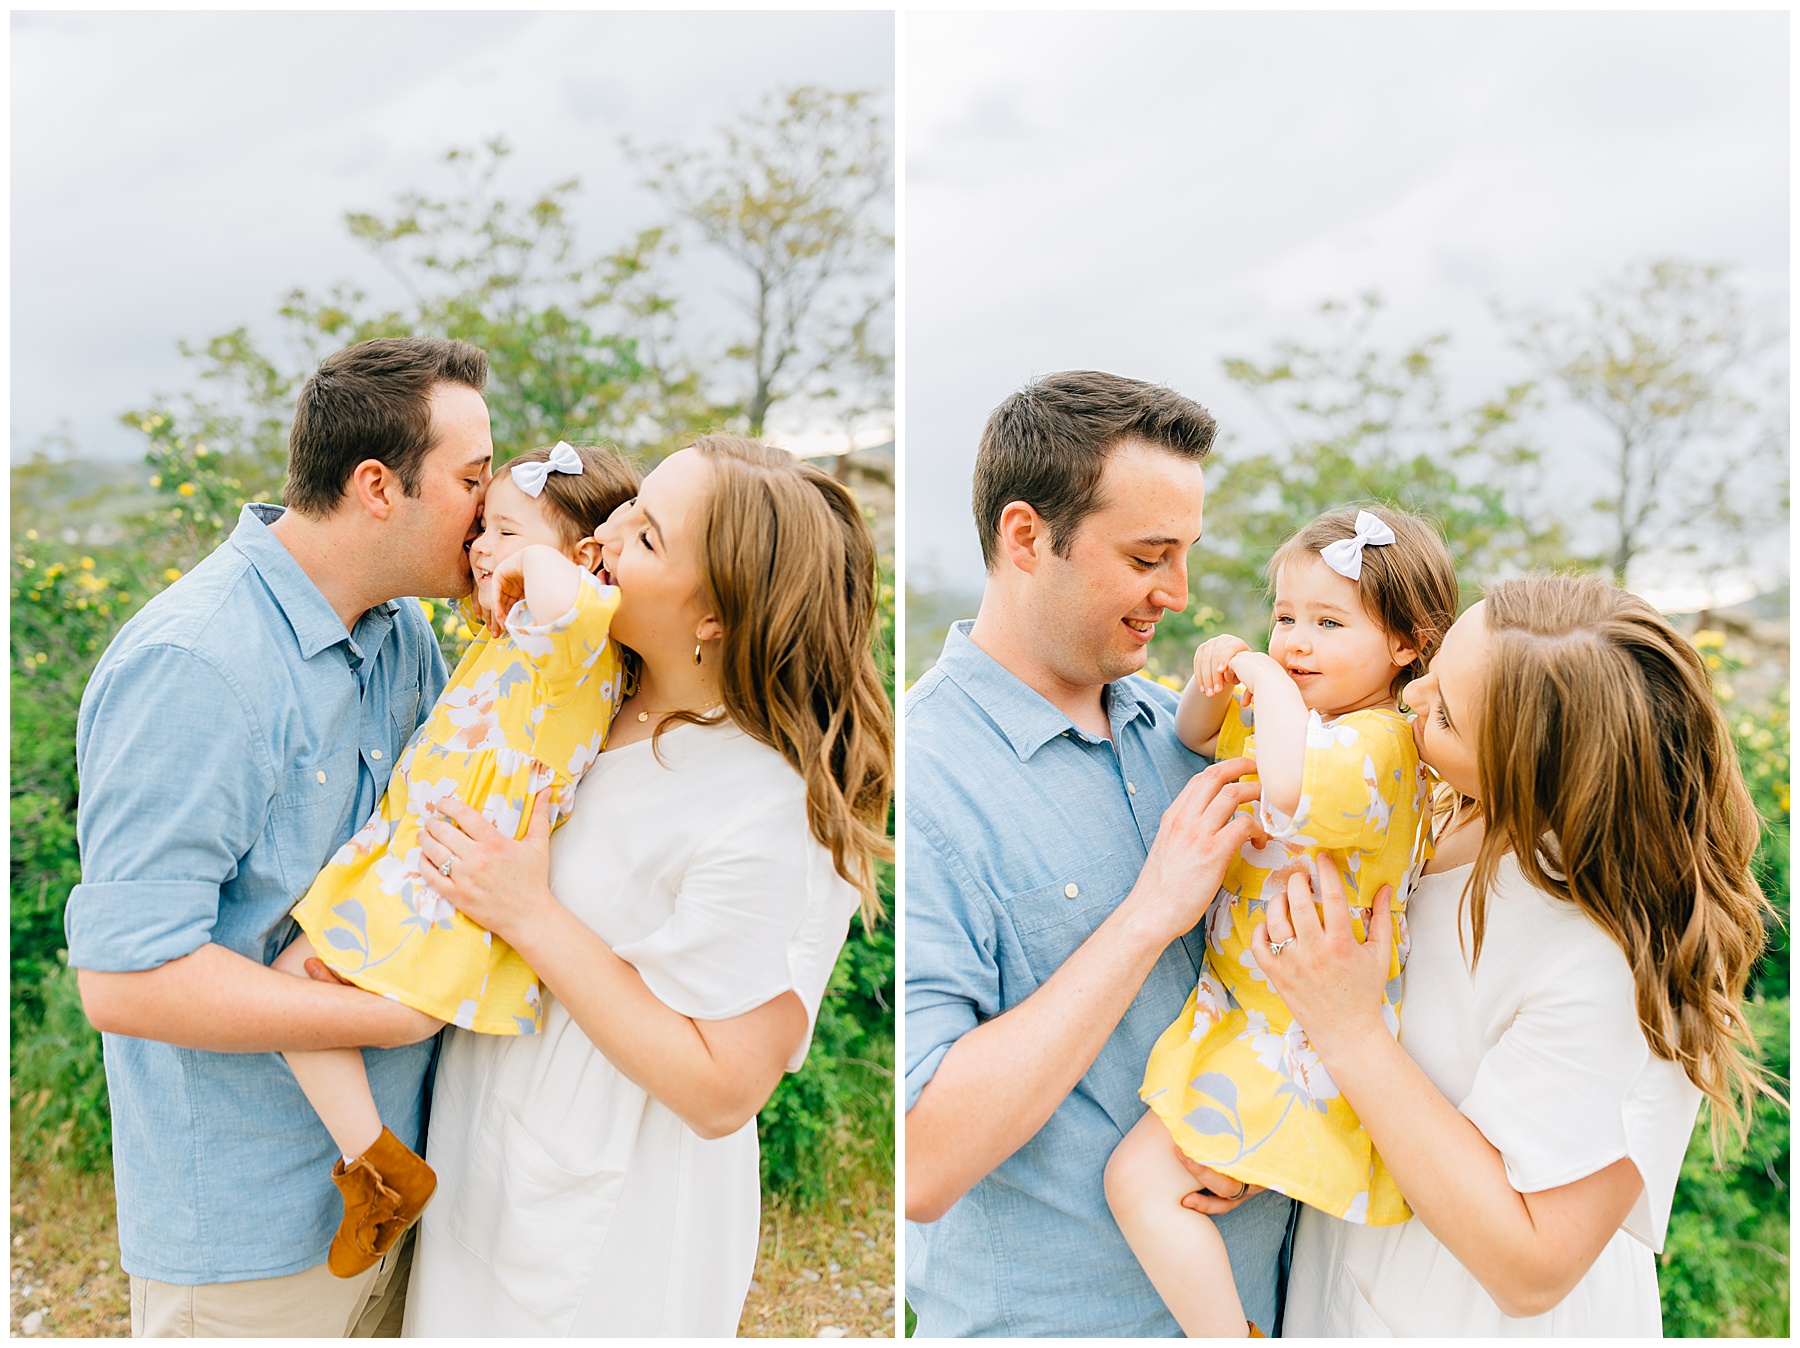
(1401,653)
(587,554)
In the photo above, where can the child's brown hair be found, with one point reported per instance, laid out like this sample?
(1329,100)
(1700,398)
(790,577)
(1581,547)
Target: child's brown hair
(1408,586)
(580,503)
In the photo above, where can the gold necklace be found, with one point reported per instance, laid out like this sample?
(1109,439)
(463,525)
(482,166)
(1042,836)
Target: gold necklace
(695,711)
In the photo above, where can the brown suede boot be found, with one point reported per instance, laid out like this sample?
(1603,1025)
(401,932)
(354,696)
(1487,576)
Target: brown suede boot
(384,1193)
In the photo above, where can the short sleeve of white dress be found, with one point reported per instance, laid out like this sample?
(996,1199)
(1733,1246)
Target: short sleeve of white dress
(758,909)
(1568,1084)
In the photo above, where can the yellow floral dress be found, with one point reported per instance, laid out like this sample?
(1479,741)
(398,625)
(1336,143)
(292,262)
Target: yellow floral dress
(526,709)
(1234,1079)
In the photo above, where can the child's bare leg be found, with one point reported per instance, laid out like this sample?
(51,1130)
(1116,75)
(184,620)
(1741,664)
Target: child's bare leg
(1181,1250)
(334,1079)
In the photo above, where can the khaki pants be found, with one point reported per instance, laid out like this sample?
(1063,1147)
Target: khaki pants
(311,1304)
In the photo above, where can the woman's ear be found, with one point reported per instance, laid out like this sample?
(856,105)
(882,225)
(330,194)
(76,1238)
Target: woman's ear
(587,554)
(710,629)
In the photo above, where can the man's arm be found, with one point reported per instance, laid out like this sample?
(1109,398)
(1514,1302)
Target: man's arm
(175,788)
(217,999)
(1000,1082)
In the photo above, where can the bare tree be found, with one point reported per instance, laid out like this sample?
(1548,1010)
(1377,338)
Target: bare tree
(1667,357)
(796,194)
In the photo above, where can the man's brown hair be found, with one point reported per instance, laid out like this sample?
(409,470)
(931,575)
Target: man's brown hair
(1047,446)
(371,401)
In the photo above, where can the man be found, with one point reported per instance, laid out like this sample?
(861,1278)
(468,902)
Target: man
(1058,860)
(236,733)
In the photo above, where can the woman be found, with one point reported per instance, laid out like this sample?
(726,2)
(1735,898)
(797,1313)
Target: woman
(600,1178)
(1580,946)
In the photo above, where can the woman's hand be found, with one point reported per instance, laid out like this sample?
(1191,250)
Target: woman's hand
(501,883)
(1211,1203)
(1332,982)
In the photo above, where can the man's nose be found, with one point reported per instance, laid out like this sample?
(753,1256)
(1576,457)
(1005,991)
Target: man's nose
(1172,592)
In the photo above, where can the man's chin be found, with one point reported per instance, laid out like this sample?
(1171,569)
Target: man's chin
(1117,664)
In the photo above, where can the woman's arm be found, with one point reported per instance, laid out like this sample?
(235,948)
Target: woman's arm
(1527,1250)
(714,1074)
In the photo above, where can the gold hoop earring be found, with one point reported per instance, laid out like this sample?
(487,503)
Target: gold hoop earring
(696,652)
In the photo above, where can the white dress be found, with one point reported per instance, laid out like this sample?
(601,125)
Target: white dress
(571,1202)
(1540,1047)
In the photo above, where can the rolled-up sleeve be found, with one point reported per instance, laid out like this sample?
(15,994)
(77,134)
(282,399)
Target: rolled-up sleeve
(161,824)
(952,975)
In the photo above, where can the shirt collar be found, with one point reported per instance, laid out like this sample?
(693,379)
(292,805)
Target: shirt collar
(316,624)
(1025,716)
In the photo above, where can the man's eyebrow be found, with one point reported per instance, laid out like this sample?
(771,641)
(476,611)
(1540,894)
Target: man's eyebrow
(1158,542)
(478,461)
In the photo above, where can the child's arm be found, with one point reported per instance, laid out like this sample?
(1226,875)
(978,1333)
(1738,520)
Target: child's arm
(543,577)
(1281,717)
(1204,700)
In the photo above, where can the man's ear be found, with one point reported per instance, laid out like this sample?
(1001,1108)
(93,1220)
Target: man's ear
(375,488)
(587,554)
(1024,536)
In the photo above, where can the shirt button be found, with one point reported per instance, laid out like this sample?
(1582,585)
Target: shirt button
(1071,889)
(321,777)
(375,754)
(1129,786)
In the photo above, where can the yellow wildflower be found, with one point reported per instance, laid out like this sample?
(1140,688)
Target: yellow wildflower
(54,570)
(430,612)
(87,563)
(1707,639)
(31,534)
(186,489)
(43,659)
(172,575)
(1724,691)
(91,583)
(463,633)
(1713,662)
(1781,793)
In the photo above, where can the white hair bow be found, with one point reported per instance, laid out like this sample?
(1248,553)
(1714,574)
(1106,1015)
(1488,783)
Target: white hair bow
(530,477)
(1345,555)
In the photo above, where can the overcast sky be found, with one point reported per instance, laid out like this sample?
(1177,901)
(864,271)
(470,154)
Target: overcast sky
(174,175)
(1145,193)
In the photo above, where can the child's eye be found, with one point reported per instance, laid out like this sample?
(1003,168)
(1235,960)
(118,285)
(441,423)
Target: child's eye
(644,538)
(1282,618)
(1329,622)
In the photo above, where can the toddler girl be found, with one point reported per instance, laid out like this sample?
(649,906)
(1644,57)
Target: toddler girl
(1361,601)
(528,707)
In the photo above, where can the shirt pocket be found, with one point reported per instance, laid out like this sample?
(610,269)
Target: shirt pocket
(1051,921)
(310,815)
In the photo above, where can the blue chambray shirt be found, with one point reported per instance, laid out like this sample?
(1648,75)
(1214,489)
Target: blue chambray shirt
(232,737)
(1022,834)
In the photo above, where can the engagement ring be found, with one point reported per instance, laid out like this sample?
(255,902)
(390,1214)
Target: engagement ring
(444,870)
(1275,947)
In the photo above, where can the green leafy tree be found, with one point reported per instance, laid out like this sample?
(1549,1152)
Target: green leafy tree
(1354,422)
(797,195)
(1692,399)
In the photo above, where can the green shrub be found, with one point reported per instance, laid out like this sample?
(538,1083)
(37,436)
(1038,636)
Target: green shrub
(59,1105)
(836,1114)
(1725,1263)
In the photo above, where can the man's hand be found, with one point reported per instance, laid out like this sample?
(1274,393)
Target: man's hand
(1201,832)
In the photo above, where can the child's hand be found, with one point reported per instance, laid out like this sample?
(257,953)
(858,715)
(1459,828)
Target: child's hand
(1213,660)
(1252,668)
(509,589)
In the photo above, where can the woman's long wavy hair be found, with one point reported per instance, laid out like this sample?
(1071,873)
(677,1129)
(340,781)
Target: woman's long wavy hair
(1608,771)
(788,565)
